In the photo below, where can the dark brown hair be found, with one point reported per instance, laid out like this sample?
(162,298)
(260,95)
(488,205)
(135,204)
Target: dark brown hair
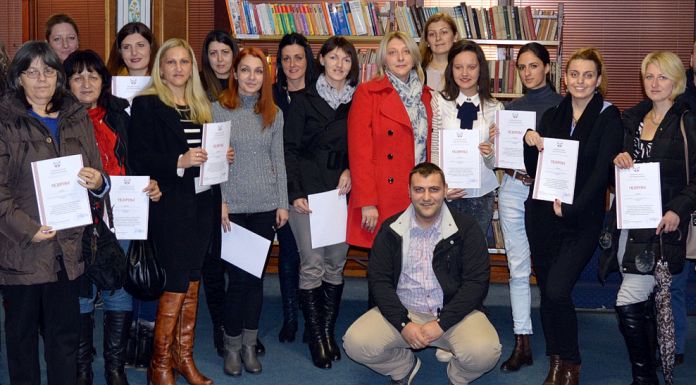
(116,62)
(451,90)
(60,18)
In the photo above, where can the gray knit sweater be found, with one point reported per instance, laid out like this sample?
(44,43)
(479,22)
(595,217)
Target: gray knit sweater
(257,181)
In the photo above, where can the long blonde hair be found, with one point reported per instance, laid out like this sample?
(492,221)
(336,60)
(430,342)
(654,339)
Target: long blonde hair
(410,44)
(196,98)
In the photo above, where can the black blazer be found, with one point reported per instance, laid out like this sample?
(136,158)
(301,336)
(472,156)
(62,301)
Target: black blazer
(316,144)
(156,139)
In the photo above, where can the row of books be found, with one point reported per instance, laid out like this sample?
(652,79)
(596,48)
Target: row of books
(362,18)
(504,78)
(495,23)
(355,17)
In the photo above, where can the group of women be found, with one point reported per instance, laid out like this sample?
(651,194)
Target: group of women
(314,130)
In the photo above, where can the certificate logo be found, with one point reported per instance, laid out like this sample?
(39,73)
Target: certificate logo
(133,81)
(515,115)
(56,164)
(126,181)
(559,144)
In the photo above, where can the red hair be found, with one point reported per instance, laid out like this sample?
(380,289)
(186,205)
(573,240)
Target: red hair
(265,106)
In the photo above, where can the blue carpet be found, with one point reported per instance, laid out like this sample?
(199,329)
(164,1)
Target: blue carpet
(605,360)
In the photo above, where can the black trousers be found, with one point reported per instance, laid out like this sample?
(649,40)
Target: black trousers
(244,296)
(214,285)
(558,265)
(53,307)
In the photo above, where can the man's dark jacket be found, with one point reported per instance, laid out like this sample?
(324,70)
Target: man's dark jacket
(461,264)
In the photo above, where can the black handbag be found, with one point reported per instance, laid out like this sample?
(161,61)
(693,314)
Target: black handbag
(105,262)
(146,277)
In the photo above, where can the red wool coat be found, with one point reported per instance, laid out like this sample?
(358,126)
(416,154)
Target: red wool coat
(380,153)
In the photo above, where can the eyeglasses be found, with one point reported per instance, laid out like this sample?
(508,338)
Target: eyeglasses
(33,73)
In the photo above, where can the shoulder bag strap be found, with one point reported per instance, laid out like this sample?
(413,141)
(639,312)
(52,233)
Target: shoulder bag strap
(686,147)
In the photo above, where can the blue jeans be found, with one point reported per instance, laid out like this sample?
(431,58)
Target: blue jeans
(511,197)
(678,292)
(114,300)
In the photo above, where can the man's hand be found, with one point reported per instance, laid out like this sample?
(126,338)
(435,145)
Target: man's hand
(412,333)
(432,331)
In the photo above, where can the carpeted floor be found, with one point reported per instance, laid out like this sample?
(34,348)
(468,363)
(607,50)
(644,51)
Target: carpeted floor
(604,355)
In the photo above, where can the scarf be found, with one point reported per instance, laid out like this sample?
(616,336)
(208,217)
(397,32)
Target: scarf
(410,93)
(562,120)
(332,96)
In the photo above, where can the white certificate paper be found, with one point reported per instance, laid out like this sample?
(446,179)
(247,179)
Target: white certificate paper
(128,87)
(638,196)
(327,222)
(556,168)
(130,206)
(63,203)
(245,249)
(512,125)
(460,158)
(216,141)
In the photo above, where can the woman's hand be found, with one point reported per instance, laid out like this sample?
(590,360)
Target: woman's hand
(486,149)
(455,193)
(668,223)
(194,157)
(492,132)
(90,178)
(344,183)
(230,155)
(153,191)
(225,218)
(281,218)
(369,218)
(623,160)
(532,138)
(558,208)
(301,206)
(45,233)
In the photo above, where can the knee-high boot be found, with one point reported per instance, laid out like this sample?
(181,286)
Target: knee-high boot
(184,333)
(312,307)
(116,329)
(85,350)
(288,274)
(160,370)
(637,325)
(332,302)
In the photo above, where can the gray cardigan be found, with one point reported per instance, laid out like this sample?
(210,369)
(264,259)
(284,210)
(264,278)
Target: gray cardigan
(257,180)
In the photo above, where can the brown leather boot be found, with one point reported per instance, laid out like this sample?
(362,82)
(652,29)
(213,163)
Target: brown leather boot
(521,354)
(570,373)
(182,348)
(160,370)
(554,376)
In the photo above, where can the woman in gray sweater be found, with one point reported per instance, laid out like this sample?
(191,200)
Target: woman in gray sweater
(254,197)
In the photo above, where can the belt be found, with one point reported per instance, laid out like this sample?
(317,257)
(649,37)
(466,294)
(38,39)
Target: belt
(520,176)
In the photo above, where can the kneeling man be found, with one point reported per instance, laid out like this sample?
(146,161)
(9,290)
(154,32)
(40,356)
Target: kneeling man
(428,274)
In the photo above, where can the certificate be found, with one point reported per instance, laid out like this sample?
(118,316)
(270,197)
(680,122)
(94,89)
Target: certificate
(512,125)
(63,203)
(216,141)
(638,196)
(556,168)
(245,249)
(460,158)
(130,206)
(128,87)
(327,222)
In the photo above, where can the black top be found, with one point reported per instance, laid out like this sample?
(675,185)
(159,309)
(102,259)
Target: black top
(283,98)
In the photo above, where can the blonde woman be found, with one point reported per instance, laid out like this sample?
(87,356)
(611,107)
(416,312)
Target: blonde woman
(165,138)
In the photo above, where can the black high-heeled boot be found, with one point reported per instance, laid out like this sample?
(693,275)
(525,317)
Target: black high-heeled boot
(85,350)
(637,325)
(312,306)
(116,328)
(332,302)
(289,277)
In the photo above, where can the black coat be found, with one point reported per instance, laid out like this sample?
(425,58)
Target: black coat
(460,262)
(156,139)
(599,133)
(316,144)
(677,196)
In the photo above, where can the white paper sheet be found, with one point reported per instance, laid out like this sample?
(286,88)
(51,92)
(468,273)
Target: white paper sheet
(460,158)
(512,125)
(245,249)
(216,141)
(63,203)
(556,168)
(130,206)
(128,87)
(328,219)
(638,196)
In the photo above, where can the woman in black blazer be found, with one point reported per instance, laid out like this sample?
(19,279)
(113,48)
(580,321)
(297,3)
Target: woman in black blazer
(563,237)
(316,153)
(164,142)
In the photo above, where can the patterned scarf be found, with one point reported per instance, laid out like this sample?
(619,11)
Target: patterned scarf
(333,96)
(410,94)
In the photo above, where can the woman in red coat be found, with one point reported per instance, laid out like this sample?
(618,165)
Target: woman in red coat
(389,126)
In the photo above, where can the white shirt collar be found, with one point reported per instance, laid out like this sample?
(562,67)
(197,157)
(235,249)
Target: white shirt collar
(471,99)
